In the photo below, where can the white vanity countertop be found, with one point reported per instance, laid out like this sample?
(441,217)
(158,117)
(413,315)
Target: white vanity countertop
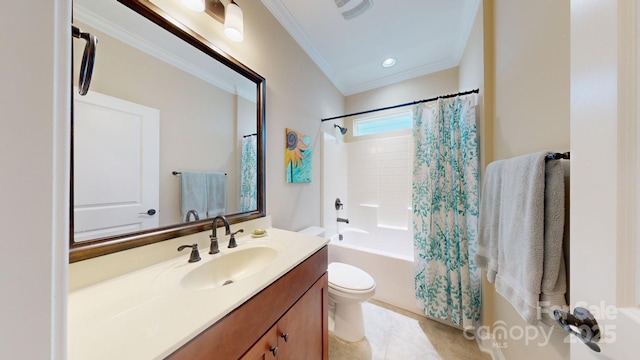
(145,314)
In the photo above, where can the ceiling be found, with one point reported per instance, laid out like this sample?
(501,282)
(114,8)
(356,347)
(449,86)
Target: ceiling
(424,36)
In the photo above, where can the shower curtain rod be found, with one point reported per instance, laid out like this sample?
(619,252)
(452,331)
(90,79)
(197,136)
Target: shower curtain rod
(402,105)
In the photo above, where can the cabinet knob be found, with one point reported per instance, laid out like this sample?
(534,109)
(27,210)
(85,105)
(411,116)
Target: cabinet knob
(274,350)
(285,336)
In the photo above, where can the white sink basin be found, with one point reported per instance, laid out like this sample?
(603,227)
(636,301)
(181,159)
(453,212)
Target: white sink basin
(229,268)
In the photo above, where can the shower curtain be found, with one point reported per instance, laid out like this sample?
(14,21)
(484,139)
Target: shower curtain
(445,197)
(249,174)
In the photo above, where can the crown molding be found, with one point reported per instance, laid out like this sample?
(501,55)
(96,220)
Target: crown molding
(284,17)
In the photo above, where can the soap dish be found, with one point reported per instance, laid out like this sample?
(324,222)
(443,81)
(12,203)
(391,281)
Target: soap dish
(259,235)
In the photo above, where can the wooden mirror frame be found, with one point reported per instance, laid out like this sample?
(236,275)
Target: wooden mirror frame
(103,246)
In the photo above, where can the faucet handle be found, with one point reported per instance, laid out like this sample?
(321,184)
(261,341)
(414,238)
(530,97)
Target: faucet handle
(213,249)
(232,238)
(195,255)
(238,231)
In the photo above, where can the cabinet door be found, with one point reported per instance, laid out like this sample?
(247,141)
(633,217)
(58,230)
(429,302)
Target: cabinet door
(303,330)
(264,349)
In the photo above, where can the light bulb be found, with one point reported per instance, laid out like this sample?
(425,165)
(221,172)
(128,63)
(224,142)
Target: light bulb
(195,5)
(233,23)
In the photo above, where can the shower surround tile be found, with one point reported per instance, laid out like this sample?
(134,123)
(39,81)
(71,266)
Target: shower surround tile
(392,333)
(379,173)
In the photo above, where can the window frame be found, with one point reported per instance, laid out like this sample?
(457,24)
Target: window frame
(400,115)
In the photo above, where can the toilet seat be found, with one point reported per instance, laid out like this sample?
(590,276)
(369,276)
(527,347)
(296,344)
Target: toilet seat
(349,279)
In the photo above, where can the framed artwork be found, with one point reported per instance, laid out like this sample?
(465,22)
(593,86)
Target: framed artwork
(298,157)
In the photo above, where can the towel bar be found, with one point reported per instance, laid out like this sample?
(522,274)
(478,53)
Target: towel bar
(556,156)
(179,173)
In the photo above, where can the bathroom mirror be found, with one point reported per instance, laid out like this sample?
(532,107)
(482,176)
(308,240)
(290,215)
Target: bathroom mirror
(162,92)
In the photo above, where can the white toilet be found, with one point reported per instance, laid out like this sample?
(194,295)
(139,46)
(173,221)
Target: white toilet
(349,287)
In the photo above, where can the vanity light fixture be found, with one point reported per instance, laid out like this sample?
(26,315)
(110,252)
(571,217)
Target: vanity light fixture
(389,62)
(233,22)
(231,17)
(195,5)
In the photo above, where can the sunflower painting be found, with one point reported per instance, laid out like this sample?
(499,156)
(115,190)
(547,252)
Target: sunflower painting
(298,157)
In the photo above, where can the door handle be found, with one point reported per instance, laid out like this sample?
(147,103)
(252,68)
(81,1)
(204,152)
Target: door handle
(149,212)
(582,324)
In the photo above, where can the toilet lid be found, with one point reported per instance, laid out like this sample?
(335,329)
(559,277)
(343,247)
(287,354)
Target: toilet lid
(349,277)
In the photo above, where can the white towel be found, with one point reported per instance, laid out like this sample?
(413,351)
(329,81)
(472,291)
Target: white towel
(193,187)
(554,277)
(216,194)
(513,225)
(487,252)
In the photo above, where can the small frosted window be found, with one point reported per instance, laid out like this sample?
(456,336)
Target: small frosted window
(383,124)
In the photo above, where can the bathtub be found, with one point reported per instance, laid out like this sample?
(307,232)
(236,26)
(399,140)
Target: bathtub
(387,255)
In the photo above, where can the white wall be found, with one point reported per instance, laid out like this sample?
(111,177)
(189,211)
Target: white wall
(531,76)
(530,57)
(34,108)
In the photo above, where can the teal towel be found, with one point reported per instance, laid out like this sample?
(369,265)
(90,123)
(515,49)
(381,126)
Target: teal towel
(216,193)
(193,190)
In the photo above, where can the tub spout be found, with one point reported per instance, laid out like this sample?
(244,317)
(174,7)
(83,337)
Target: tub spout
(346,221)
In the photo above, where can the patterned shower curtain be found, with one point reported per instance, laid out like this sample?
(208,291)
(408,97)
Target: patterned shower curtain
(445,199)
(249,174)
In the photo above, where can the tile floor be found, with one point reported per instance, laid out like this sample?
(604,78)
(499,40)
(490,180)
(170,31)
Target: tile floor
(392,333)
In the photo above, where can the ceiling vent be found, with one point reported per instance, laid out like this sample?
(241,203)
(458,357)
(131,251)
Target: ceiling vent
(352,8)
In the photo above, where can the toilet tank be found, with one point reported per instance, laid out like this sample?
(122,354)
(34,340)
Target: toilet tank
(313,230)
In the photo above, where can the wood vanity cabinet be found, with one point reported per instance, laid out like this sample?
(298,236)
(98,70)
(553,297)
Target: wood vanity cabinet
(295,335)
(265,348)
(286,320)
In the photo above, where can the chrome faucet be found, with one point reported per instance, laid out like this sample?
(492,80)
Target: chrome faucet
(189,213)
(343,220)
(213,249)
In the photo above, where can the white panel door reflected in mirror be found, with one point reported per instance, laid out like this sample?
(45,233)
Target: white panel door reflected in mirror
(116,158)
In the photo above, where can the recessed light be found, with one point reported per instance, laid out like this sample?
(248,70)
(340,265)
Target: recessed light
(389,62)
